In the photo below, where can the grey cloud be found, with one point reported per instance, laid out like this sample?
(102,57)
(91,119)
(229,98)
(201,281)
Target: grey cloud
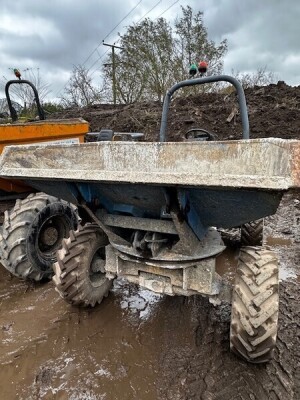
(259,32)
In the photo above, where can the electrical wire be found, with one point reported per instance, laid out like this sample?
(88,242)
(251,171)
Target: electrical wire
(98,59)
(148,12)
(123,19)
(91,74)
(167,9)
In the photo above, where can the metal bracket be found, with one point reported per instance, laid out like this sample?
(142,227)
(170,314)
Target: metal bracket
(109,232)
(137,223)
(186,279)
(188,241)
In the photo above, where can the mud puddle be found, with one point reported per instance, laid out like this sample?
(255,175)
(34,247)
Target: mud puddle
(137,345)
(52,351)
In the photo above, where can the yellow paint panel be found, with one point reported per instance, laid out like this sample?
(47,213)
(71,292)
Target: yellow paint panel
(35,132)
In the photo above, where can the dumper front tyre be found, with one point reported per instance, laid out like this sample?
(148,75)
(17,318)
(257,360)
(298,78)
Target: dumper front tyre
(255,304)
(252,233)
(80,276)
(32,232)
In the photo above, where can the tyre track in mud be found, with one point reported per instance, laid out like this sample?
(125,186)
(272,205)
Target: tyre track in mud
(207,370)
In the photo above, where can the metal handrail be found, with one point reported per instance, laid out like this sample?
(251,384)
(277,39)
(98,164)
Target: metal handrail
(12,111)
(200,81)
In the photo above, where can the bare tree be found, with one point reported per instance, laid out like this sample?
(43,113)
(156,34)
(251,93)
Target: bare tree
(79,90)
(261,77)
(23,94)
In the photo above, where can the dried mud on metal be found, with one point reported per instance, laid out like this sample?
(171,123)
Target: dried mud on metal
(137,345)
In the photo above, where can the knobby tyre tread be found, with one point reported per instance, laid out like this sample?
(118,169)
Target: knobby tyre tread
(252,233)
(255,305)
(21,230)
(73,274)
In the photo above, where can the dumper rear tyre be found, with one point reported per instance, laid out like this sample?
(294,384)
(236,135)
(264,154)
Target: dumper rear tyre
(255,304)
(80,276)
(32,233)
(252,233)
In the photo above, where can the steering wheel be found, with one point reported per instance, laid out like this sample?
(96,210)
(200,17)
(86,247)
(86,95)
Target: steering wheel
(199,134)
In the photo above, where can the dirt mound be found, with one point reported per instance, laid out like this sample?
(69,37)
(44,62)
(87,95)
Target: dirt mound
(272,112)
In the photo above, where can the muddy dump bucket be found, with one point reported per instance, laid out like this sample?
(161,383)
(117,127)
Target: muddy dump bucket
(227,183)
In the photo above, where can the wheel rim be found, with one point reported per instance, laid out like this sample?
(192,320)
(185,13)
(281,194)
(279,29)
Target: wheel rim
(97,274)
(50,235)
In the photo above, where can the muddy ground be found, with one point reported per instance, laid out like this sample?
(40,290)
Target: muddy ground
(137,345)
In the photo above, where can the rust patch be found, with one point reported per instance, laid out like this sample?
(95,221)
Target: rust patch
(295,164)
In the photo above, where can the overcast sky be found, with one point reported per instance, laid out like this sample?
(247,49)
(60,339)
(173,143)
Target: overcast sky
(54,35)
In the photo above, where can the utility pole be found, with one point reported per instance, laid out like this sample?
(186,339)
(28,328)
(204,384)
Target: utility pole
(113,47)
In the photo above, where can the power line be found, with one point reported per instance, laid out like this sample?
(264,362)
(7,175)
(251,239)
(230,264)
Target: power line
(98,59)
(148,12)
(123,19)
(168,9)
(95,49)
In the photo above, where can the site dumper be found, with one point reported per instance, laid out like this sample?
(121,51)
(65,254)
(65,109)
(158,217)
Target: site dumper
(34,224)
(151,213)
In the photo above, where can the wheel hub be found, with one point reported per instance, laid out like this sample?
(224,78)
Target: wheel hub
(49,236)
